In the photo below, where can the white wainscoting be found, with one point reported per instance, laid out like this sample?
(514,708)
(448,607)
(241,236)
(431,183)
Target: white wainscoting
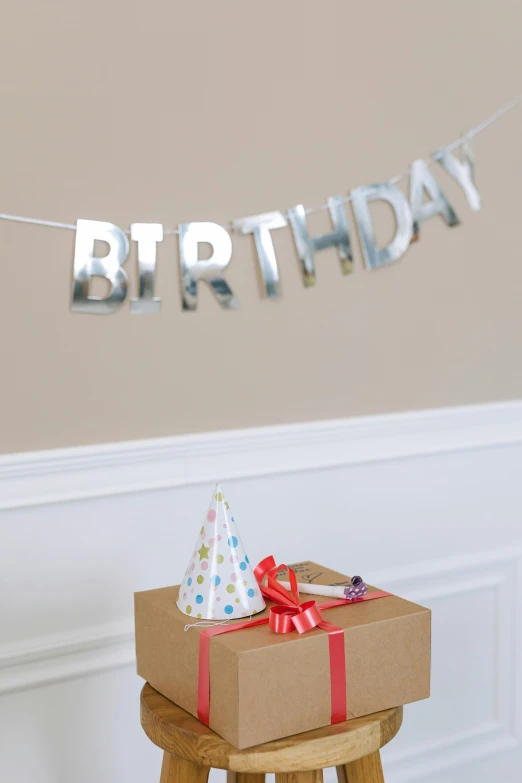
(427,504)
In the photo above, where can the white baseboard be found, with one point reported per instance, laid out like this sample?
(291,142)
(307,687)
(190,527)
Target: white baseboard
(37,478)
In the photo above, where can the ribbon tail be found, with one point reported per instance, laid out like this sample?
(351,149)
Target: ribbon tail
(204,678)
(337,671)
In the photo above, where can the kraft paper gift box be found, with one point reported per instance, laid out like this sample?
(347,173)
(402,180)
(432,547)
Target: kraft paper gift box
(265,686)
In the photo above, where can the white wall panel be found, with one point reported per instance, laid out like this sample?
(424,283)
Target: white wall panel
(425,504)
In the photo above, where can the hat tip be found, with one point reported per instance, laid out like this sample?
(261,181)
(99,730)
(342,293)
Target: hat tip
(218,493)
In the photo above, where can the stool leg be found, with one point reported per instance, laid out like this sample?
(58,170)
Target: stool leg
(174,770)
(365,770)
(314,776)
(245,777)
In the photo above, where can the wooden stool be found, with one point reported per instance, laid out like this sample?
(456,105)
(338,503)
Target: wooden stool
(191,748)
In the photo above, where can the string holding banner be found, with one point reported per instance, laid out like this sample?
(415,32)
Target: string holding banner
(308,210)
(409,215)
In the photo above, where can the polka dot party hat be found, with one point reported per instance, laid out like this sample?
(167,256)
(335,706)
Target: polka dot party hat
(219,582)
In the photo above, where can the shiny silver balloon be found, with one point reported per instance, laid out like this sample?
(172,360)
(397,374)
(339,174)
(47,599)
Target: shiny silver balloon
(307,245)
(463,171)
(86,264)
(147,235)
(210,269)
(260,226)
(373,256)
(421,179)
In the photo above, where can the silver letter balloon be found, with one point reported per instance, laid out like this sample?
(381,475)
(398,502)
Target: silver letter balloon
(462,171)
(421,179)
(426,200)
(260,226)
(193,270)
(86,265)
(147,235)
(307,245)
(375,257)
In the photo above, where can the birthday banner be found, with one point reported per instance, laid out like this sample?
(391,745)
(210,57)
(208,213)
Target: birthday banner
(425,200)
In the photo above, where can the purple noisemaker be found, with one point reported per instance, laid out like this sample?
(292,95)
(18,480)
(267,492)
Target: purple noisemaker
(356,590)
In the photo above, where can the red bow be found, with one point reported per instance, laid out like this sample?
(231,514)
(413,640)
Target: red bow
(289,612)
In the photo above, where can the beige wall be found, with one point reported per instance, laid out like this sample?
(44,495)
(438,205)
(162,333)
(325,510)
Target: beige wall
(169,112)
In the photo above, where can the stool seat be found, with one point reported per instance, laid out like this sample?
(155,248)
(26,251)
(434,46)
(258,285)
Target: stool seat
(182,736)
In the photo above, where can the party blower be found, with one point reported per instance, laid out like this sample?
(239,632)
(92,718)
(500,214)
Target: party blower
(350,592)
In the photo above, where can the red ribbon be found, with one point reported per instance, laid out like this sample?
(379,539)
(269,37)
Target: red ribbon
(288,614)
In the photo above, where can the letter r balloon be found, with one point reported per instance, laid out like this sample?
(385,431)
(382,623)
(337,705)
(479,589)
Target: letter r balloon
(211,270)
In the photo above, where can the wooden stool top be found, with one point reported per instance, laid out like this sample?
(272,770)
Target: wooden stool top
(180,734)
